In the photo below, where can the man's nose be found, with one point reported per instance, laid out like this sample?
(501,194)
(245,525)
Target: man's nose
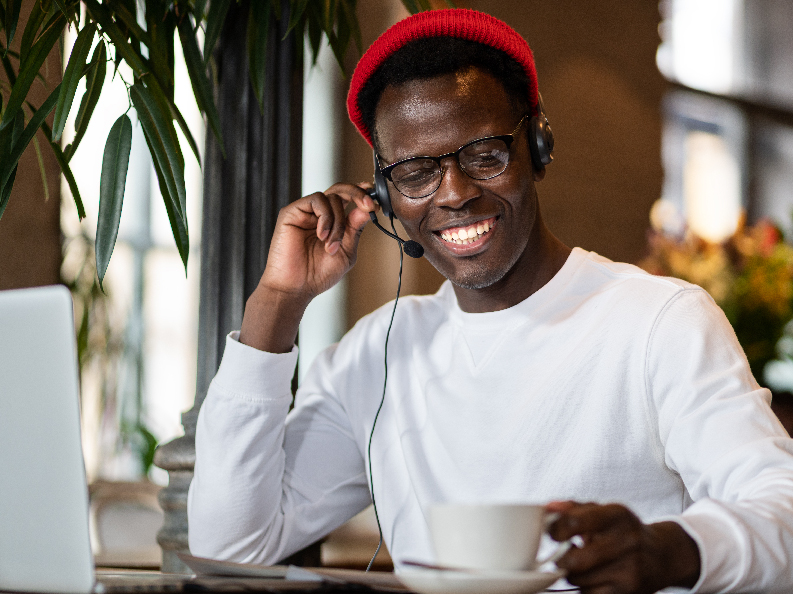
(456,188)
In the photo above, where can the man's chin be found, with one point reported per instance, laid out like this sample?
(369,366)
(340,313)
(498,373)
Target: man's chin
(477,277)
(474,273)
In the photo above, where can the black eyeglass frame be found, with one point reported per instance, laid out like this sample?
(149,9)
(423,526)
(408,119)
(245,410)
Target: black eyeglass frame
(508,139)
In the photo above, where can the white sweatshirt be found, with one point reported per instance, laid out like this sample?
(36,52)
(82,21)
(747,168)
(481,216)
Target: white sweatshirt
(606,385)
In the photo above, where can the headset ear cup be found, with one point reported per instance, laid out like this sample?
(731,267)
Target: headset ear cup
(540,142)
(381,190)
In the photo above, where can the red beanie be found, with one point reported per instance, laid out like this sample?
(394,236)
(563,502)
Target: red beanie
(461,23)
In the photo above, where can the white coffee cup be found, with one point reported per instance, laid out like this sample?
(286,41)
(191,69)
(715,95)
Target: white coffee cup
(490,536)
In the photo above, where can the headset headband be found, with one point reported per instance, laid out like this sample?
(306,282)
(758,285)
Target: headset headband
(461,23)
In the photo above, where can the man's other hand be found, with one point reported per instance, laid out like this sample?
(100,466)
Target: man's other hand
(620,554)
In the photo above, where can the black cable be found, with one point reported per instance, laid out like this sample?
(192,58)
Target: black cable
(382,400)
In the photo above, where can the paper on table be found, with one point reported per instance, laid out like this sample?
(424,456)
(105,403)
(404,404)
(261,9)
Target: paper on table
(212,567)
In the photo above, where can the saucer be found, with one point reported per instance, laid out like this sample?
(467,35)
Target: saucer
(443,581)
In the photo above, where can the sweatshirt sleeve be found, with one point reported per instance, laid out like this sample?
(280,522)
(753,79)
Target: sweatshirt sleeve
(719,433)
(266,485)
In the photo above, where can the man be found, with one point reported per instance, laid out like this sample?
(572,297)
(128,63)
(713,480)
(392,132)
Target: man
(537,373)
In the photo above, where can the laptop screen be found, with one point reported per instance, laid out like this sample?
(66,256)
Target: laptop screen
(44,537)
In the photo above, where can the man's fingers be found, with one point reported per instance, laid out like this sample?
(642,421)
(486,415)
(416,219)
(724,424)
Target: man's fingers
(599,549)
(588,518)
(356,221)
(333,240)
(324,214)
(355,194)
(310,212)
(560,506)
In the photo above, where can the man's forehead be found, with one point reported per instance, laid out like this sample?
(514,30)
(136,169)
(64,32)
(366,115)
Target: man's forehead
(431,104)
(418,98)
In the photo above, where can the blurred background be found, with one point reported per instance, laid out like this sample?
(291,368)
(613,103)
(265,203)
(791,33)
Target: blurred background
(674,150)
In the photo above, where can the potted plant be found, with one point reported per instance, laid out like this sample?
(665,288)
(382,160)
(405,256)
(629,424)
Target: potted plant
(110,32)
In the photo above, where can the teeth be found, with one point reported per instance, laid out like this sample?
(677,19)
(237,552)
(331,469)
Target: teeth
(466,236)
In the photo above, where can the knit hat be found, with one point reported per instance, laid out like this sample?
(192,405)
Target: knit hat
(461,23)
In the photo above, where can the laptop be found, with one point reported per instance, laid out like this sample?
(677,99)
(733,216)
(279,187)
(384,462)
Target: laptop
(44,536)
(44,508)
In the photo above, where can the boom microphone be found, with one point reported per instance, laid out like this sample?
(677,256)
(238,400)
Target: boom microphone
(412,248)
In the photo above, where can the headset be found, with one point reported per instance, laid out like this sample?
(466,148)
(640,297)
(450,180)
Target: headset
(380,193)
(541,149)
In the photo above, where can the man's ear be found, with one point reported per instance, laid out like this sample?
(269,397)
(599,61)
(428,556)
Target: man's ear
(539,174)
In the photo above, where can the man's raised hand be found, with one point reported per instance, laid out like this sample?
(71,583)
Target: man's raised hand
(314,244)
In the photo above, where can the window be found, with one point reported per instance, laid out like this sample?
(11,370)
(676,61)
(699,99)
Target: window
(729,123)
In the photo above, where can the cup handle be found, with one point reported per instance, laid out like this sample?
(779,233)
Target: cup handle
(563,547)
(557,554)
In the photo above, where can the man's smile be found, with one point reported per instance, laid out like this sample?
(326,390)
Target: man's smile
(472,235)
(469,233)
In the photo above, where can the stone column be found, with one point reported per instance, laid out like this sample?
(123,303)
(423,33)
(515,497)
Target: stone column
(242,196)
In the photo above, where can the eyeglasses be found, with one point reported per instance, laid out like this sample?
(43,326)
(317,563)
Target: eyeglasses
(484,158)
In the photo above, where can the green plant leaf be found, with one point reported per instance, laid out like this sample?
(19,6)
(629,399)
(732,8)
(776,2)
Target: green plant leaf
(72,183)
(93,90)
(258,33)
(130,21)
(10,19)
(412,6)
(167,164)
(215,20)
(71,78)
(327,19)
(9,69)
(115,163)
(177,115)
(24,134)
(314,35)
(6,143)
(199,9)
(202,89)
(62,8)
(127,52)
(343,34)
(123,48)
(348,8)
(70,9)
(298,9)
(178,223)
(161,25)
(42,170)
(65,169)
(10,139)
(338,47)
(30,68)
(36,18)
(5,193)
(164,147)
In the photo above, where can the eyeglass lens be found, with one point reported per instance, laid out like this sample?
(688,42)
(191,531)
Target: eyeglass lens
(421,176)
